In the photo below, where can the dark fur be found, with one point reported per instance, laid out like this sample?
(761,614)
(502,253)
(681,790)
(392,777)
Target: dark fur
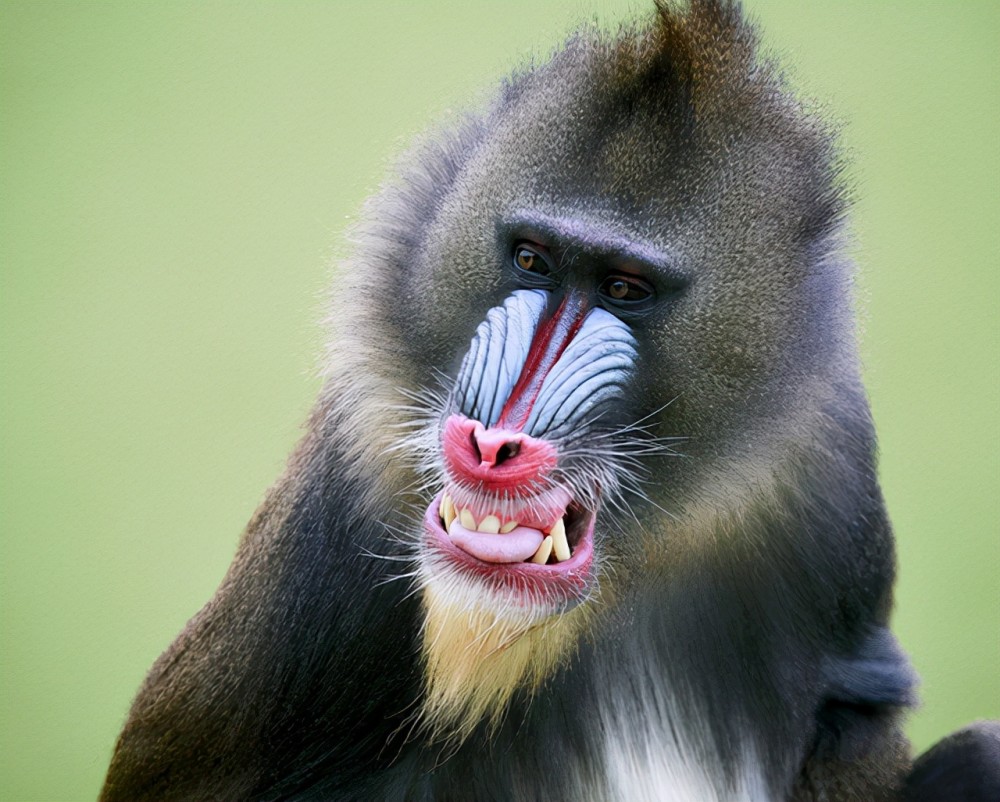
(299,680)
(964,767)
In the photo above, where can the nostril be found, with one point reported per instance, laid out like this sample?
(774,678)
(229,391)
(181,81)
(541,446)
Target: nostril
(507,451)
(493,448)
(501,459)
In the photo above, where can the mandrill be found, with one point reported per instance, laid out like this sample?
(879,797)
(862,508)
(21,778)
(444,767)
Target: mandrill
(587,508)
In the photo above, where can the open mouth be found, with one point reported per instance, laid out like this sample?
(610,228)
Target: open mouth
(541,547)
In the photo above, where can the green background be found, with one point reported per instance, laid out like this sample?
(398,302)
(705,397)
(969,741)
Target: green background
(175,183)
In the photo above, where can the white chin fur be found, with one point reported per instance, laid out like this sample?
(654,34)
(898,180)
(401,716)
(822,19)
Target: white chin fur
(437,575)
(480,645)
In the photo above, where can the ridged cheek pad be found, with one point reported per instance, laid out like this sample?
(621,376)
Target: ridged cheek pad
(525,372)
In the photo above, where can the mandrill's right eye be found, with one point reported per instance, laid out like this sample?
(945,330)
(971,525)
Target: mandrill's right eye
(531,260)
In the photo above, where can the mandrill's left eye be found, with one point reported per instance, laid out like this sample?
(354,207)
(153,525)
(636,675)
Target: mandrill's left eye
(627,290)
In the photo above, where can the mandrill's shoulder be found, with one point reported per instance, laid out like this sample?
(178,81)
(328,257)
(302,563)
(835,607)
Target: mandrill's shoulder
(858,750)
(964,767)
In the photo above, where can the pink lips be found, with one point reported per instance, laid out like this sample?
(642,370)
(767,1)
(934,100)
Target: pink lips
(513,547)
(561,583)
(502,477)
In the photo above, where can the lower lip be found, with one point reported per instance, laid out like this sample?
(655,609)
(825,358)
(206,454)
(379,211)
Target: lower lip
(561,583)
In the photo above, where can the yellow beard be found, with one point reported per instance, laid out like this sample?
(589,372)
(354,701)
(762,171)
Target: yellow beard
(477,654)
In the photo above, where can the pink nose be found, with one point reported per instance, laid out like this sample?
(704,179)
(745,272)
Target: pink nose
(496,459)
(496,446)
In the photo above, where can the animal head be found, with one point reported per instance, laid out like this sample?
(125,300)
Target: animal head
(587,336)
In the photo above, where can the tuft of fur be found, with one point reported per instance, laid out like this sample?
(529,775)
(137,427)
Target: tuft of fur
(477,655)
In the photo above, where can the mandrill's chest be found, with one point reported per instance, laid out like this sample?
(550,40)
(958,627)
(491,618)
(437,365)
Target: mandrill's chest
(650,757)
(632,745)
(661,771)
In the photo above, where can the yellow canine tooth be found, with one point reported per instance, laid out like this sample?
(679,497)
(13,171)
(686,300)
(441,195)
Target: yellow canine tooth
(559,543)
(510,526)
(489,525)
(447,511)
(542,555)
(467,520)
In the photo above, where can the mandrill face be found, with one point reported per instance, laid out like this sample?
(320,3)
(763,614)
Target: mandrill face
(515,515)
(610,315)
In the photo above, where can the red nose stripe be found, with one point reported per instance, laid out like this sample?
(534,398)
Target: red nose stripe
(547,346)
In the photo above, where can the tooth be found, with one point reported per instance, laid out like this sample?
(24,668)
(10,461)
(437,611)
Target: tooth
(542,555)
(489,525)
(559,542)
(510,526)
(467,520)
(447,510)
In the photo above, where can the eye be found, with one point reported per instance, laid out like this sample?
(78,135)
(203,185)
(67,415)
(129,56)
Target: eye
(531,260)
(628,290)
